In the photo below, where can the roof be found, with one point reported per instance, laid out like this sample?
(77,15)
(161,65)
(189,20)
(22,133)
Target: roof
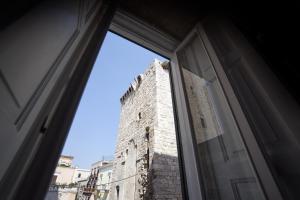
(63,156)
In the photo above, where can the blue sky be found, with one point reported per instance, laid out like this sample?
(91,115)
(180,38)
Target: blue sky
(94,130)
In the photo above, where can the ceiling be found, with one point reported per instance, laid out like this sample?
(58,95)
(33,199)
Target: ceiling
(176,18)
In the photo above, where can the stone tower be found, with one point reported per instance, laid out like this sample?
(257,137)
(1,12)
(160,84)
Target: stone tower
(146,159)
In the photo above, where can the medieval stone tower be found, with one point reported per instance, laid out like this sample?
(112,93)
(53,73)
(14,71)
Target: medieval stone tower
(146,160)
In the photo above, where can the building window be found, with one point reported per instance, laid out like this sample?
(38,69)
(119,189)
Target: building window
(118,191)
(147,136)
(140,115)
(79,175)
(147,129)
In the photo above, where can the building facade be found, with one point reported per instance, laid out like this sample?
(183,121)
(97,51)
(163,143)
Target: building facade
(65,161)
(97,186)
(65,173)
(66,180)
(80,190)
(146,158)
(80,175)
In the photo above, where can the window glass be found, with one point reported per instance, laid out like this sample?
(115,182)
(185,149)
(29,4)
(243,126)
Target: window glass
(225,168)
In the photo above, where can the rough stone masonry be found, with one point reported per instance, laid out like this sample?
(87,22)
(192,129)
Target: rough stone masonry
(146,159)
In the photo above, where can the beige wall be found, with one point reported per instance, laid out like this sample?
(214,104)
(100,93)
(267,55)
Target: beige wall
(68,194)
(65,160)
(64,175)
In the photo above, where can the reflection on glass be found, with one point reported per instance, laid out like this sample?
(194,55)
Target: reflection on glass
(226,171)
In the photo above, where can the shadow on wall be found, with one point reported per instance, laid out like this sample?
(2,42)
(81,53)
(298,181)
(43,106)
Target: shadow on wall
(52,195)
(163,178)
(61,193)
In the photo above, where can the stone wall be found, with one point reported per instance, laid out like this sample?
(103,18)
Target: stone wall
(165,169)
(146,164)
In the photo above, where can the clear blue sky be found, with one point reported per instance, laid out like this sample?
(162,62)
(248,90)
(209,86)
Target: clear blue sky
(94,130)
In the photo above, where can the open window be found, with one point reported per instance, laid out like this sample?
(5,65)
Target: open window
(237,127)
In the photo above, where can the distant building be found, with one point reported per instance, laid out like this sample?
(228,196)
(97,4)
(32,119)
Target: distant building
(146,158)
(80,174)
(65,180)
(98,184)
(81,185)
(65,161)
(66,173)
(57,193)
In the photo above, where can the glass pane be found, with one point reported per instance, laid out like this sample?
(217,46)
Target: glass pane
(225,168)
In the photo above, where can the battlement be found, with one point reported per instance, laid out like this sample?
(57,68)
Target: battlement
(133,86)
(138,80)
